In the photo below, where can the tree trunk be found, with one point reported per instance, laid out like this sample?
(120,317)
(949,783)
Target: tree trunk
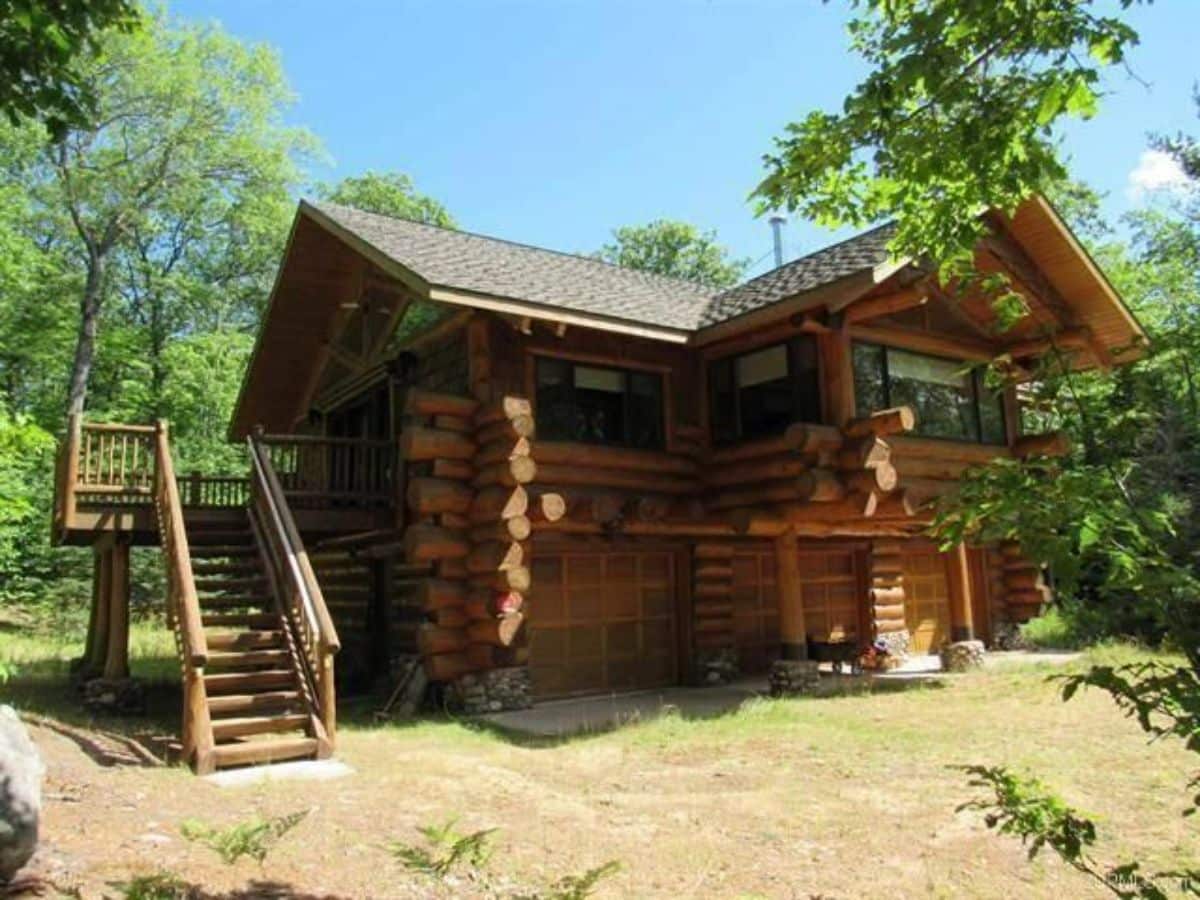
(89,324)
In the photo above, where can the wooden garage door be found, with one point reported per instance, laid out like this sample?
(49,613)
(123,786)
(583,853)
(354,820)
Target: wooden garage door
(926,599)
(602,622)
(829,582)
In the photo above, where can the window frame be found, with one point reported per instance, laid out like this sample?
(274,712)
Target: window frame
(626,369)
(977,396)
(790,344)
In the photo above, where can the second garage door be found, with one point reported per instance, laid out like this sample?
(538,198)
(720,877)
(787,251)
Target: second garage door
(829,585)
(602,622)
(926,599)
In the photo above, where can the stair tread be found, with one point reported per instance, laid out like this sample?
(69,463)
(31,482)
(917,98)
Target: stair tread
(246,682)
(238,568)
(205,551)
(213,601)
(240,620)
(244,640)
(246,752)
(240,726)
(250,579)
(251,703)
(262,657)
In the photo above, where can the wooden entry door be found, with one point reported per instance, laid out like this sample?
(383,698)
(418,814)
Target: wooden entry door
(926,599)
(602,621)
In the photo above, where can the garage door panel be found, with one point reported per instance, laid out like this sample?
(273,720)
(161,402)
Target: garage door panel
(829,591)
(926,600)
(617,625)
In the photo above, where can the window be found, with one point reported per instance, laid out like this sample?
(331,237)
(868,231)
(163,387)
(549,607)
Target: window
(762,392)
(599,405)
(950,400)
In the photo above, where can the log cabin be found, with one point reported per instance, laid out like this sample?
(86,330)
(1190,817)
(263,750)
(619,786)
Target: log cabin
(537,475)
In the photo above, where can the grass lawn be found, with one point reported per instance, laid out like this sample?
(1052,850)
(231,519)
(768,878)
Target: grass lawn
(849,796)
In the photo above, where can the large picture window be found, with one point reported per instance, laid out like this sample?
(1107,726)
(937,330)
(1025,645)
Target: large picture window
(761,393)
(599,405)
(949,399)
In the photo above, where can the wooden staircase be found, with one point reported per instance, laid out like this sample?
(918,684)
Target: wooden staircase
(253,683)
(255,639)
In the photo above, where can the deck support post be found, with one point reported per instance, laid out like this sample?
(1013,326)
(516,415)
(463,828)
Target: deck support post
(792,630)
(116,658)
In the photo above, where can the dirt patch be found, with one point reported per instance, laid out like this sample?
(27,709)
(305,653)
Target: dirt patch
(841,797)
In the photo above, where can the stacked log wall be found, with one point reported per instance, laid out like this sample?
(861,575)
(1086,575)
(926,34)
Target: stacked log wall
(499,517)
(714,635)
(887,596)
(1025,590)
(437,446)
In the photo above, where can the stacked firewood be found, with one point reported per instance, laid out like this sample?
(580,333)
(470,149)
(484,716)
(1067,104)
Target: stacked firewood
(712,580)
(437,446)
(1025,591)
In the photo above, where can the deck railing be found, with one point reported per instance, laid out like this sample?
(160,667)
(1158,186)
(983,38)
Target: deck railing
(106,466)
(183,606)
(298,596)
(319,471)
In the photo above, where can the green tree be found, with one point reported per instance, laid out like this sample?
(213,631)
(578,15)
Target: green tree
(189,154)
(39,47)
(676,249)
(957,114)
(389,194)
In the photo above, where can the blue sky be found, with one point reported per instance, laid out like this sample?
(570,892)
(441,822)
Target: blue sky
(553,121)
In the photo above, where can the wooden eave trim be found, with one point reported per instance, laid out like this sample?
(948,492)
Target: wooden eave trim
(232,433)
(926,342)
(510,306)
(377,257)
(1094,270)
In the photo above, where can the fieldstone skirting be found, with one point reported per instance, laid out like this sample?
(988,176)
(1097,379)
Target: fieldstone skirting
(962,656)
(716,666)
(495,690)
(793,677)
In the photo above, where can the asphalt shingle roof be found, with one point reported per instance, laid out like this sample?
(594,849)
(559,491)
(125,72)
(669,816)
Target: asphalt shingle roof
(863,251)
(464,261)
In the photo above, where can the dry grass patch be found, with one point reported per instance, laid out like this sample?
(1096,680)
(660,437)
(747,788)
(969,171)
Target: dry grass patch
(846,796)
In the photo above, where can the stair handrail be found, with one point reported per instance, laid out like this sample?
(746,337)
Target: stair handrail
(182,602)
(298,571)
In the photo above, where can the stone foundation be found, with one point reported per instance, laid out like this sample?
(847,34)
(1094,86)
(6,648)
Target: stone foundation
(897,643)
(793,677)
(962,656)
(1007,636)
(716,666)
(120,696)
(494,691)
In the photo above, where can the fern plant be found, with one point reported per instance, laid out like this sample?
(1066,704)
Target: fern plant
(447,848)
(159,886)
(255,837)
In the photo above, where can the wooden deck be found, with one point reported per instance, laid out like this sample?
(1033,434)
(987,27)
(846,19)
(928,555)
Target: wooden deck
(105,475)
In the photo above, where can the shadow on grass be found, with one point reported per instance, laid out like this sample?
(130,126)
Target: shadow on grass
(587,718)
(44,692)
(255,889)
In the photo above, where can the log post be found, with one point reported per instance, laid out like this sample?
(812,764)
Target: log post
(962,617)
(793,632)
(116,663)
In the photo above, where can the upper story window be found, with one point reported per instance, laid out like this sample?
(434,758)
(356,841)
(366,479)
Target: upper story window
(950,400)
(599,405)
(761,393)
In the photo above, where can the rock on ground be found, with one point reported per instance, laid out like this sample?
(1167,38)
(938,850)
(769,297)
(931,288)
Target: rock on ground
(21,773)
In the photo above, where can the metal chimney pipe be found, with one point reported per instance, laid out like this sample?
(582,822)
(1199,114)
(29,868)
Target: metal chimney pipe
(777,222)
